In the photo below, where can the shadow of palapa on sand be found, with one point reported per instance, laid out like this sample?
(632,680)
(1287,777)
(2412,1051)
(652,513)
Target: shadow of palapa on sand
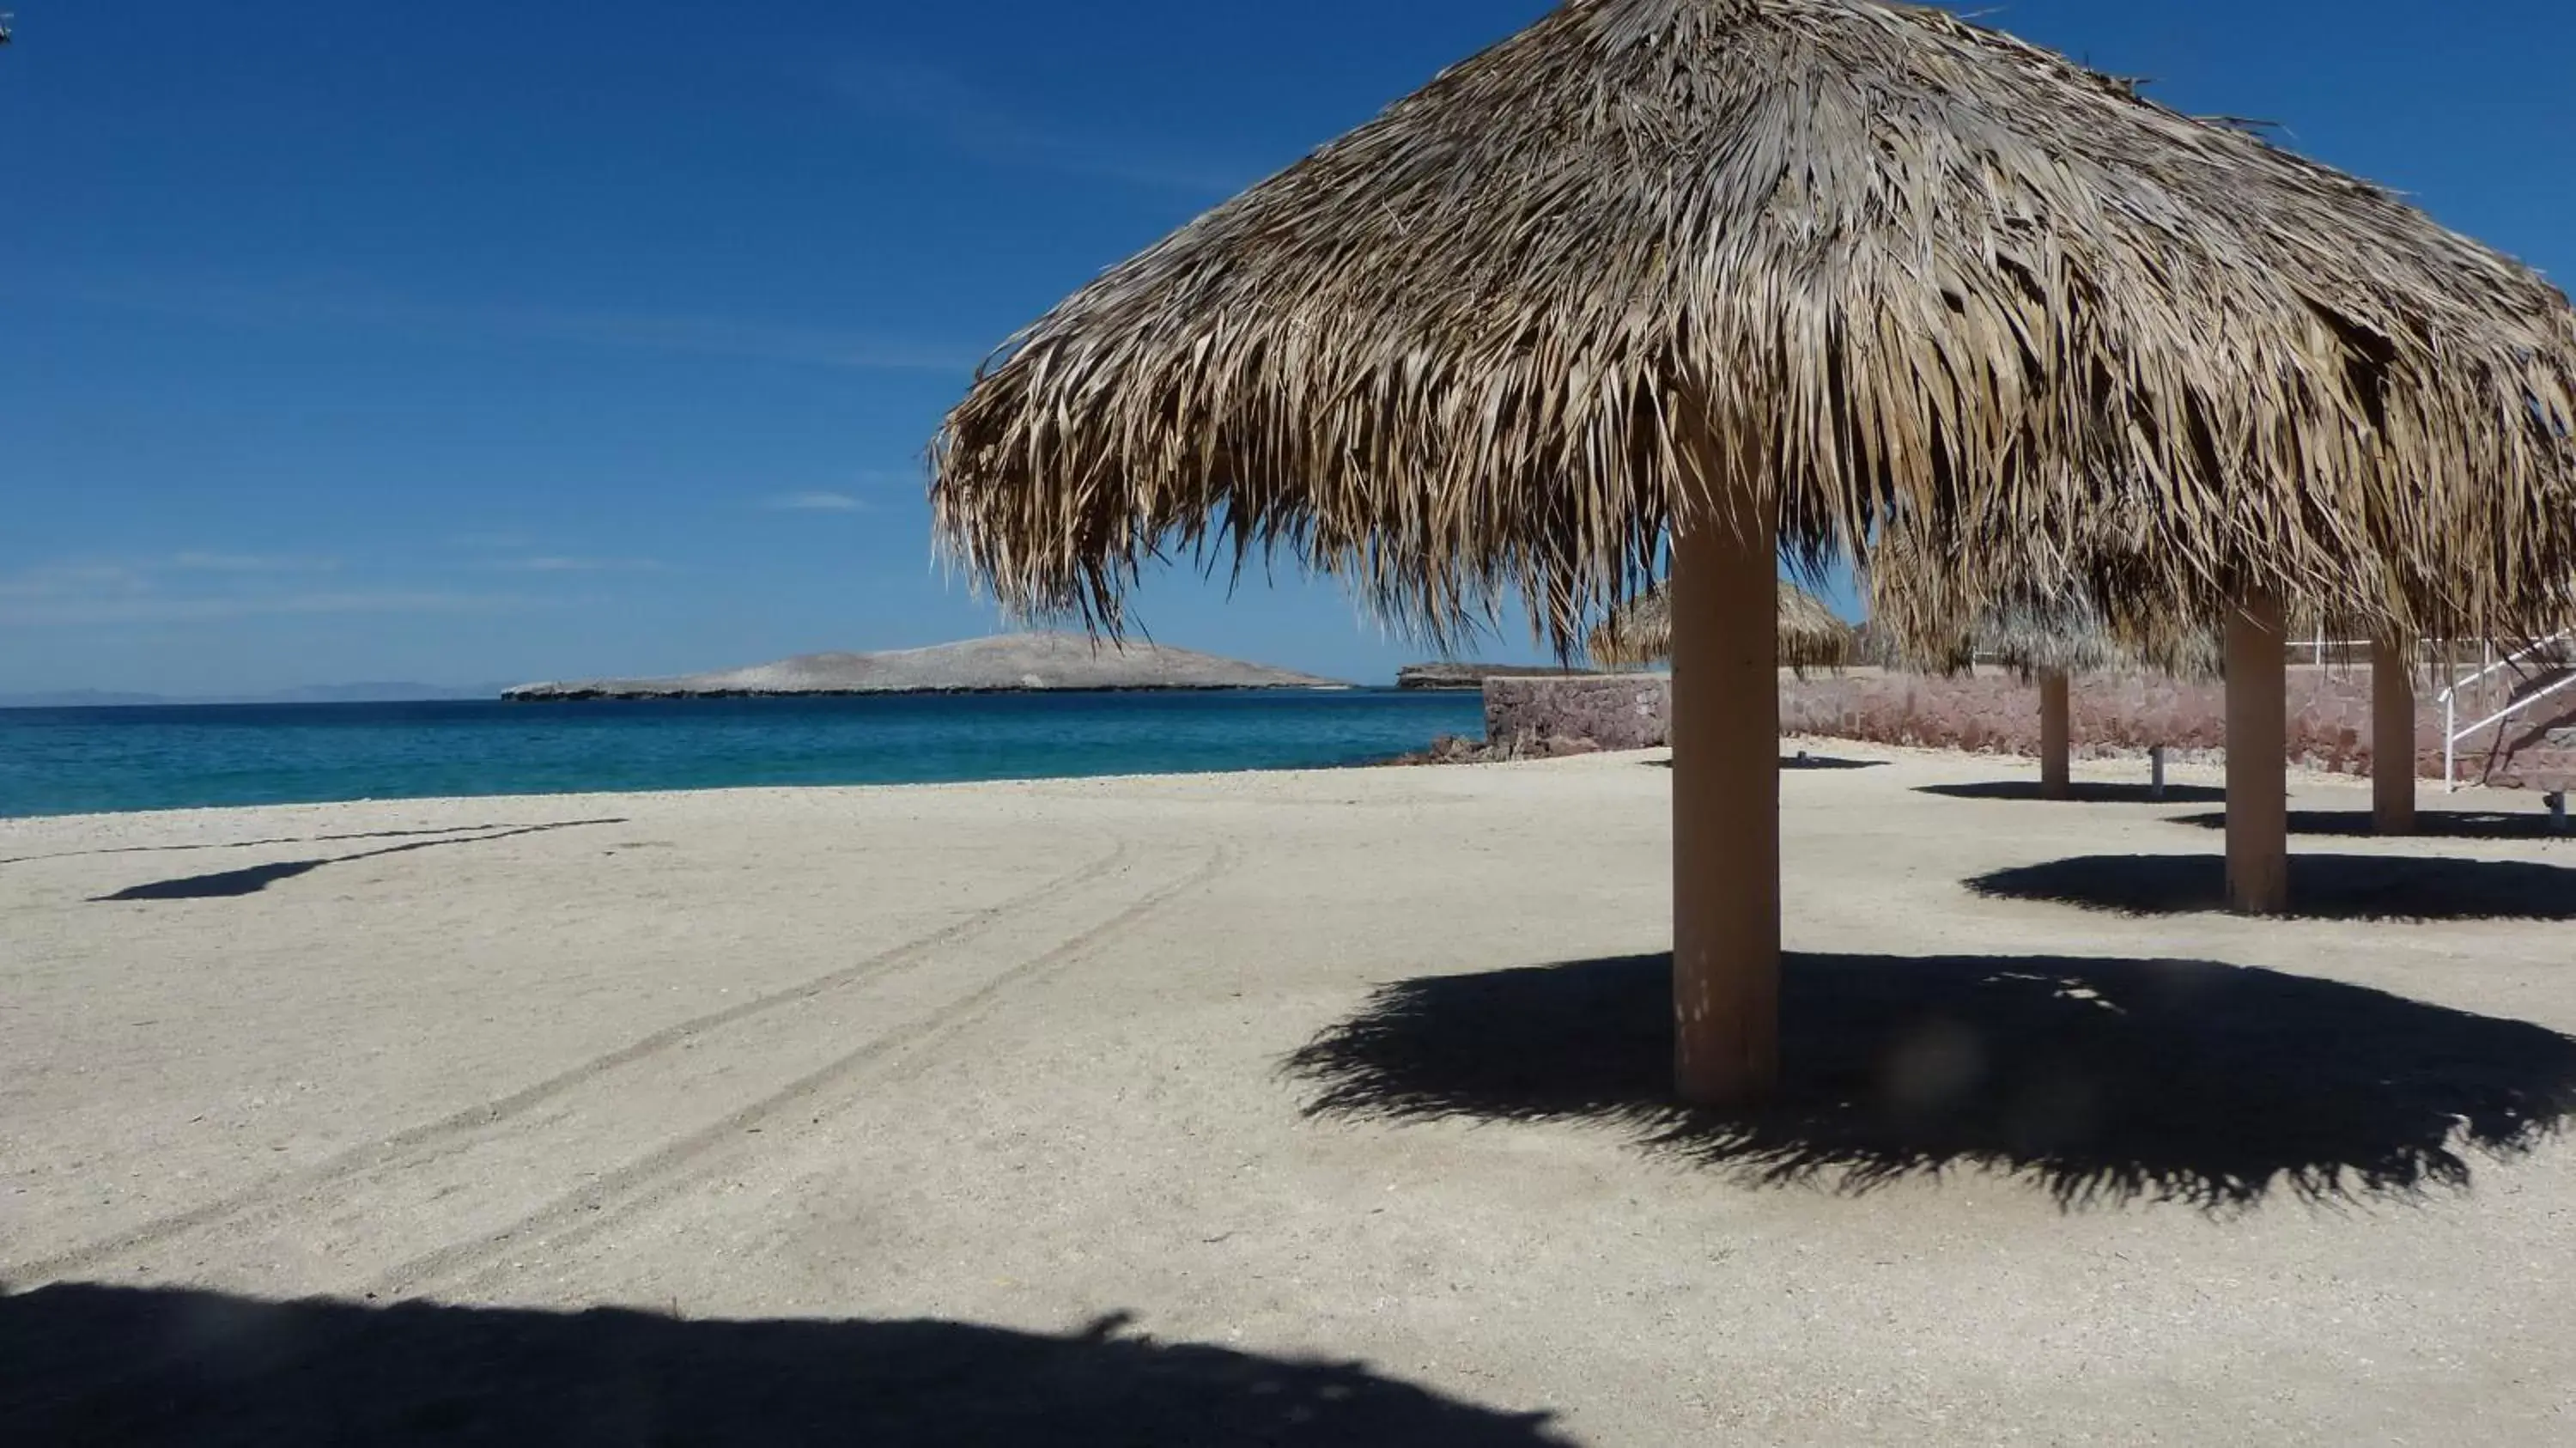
(2322,886)
(97,1364)
(2105,1081)
(2082,791)
(250,880)
(2432,824)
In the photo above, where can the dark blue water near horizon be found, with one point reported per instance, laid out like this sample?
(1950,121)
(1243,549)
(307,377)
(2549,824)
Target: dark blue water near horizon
(79,761)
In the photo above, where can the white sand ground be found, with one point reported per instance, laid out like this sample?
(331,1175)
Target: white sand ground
(1012,1055)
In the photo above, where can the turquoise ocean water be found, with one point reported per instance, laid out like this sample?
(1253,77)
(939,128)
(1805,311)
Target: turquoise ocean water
(72,761)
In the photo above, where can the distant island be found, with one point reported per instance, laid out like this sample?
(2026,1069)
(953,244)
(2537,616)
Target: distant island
(1016,663)
(1464,677)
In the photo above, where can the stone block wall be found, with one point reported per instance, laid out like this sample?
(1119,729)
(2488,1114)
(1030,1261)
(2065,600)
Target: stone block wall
(1994,712)
(1554,716)
(2114,715)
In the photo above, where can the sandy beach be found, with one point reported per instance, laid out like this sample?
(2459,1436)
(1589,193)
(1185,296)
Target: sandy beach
(1156,1108)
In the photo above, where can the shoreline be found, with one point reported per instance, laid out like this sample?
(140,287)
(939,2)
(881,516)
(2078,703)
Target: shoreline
(690,791)
(513,696)
(547,694)
(789,792)
(2104,770)
(84,763)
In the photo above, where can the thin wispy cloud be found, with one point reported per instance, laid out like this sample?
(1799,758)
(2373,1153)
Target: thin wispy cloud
(72,579)
(252,563)
(749,340)
(818,502)
(945,109)
(513,551)
(71,611)
(207,584)
(339,306)
(559,563)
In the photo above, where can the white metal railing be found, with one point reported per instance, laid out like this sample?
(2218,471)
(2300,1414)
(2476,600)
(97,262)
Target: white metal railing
(2452,733)
(2324,650)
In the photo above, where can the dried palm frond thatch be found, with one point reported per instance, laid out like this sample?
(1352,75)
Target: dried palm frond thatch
(1640,632)
(2072,637)
(1834,260)
(1922,620)
(2064,636)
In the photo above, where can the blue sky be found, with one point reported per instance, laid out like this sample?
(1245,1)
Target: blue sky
(481,342)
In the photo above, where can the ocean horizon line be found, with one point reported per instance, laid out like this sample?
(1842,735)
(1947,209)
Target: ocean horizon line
(131,758)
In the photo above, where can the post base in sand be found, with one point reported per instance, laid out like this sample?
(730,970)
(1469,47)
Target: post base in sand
(1726,815)
(2392,737)
(2056,736)
(2258,747)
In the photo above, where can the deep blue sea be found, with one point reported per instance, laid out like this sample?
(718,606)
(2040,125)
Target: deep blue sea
(75,761)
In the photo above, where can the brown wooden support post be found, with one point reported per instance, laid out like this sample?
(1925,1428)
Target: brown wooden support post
(2258,748)
(2056,736)
(2393,766)
(1726,811)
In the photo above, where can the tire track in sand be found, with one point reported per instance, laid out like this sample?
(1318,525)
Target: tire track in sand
(456,1131)
(653,1180)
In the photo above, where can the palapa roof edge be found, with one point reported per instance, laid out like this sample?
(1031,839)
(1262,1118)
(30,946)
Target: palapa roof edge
(2031,637)
(1652,261)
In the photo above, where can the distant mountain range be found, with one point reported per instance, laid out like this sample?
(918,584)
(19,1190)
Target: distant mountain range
(318,694)
(1016,663)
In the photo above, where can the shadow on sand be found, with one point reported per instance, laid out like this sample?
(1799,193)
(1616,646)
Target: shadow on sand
(95,1364)
(1804,760)
(2104,1081)
(252,844)
(2084,792)
(232,884)
(2322,887)
(1801,761)
(2435,824)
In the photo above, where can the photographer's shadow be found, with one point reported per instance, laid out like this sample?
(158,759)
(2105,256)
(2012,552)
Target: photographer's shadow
(167,1368)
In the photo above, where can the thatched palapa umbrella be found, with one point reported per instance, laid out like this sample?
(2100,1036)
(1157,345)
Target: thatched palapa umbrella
(2072,637)
(2050,640)
(2053,645)
(1640,632)
(2047,641)
(1737,281)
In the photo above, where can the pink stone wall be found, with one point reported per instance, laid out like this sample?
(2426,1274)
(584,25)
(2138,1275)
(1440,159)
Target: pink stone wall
(2114,715)
(1539,716)
(1993,712)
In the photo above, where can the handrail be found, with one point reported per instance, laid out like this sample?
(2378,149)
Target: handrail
(2452,733)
